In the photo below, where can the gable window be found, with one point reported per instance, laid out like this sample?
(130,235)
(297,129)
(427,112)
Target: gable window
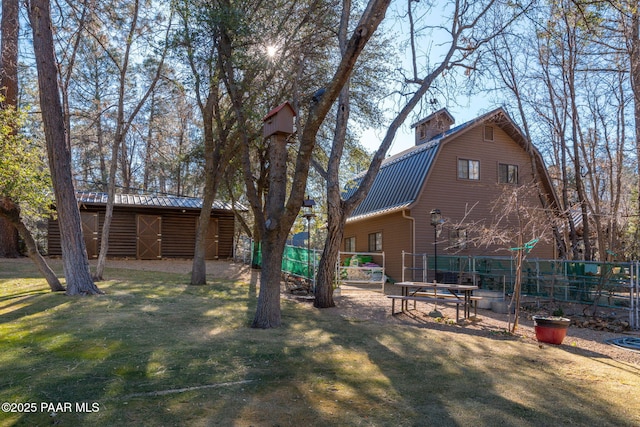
(350,244)
(458,238)
(507,174)
(468,169)
(375,242)
(488,133)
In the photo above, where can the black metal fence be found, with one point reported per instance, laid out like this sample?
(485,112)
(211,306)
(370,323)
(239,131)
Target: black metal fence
(602,284)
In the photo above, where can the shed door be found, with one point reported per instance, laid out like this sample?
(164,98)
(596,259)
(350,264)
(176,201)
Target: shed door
(211,241)
(149,236)
(90,232)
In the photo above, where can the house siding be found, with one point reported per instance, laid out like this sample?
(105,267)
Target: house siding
(459,200)
(458,197)
(396,237)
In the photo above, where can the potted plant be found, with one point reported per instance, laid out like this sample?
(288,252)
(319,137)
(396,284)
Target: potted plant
(551,329)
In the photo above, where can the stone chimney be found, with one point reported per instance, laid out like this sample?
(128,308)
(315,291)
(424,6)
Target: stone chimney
(433,126)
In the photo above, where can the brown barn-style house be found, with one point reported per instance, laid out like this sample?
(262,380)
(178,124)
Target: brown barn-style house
(149,227)
(450,169)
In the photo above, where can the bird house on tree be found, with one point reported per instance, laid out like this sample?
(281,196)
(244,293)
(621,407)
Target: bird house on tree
(279,121)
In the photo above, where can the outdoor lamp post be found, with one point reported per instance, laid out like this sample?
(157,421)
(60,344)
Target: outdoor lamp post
(436,219)
(309,204)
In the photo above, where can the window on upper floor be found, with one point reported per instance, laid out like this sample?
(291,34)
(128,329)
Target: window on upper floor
(468,169)
(507,174)
(422,131)
(375,242)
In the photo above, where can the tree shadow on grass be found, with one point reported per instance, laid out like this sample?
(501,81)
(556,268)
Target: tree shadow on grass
(123,348)
(29,303)
(466,382)
(602,358)
(118,349)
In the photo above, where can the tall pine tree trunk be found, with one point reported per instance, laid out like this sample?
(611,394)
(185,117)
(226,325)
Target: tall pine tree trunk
(108,213)
(274,237)
(335,215)
(218,157)
(9,247)
(199,266)
(74,253)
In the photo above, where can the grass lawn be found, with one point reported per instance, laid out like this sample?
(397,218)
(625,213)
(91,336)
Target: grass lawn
(155,351)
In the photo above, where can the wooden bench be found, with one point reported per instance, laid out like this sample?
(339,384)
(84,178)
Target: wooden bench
(472,298)
(429,297)
(402,298)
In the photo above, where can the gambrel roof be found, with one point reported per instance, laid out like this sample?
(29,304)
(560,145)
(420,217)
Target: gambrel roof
(402,176)
(398,182)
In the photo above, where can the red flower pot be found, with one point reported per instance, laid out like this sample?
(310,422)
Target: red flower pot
(551,330)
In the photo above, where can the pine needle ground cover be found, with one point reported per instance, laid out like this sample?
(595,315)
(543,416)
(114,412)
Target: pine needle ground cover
(155,351)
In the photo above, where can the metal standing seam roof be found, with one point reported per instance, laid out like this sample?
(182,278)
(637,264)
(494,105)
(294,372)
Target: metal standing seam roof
(398,183)
(148,200)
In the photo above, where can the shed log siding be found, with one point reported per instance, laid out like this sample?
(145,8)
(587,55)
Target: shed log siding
(90,227)
(178,232)
(178,235)
(122,235)
(226,230)
(53,238)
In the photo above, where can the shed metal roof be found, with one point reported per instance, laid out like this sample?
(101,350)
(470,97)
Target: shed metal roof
(148,200)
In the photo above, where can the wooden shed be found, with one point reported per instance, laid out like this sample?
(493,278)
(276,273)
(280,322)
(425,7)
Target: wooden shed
(149,227)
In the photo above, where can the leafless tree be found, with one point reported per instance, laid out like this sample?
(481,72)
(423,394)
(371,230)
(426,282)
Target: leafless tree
(125,117)
(471,27)
(517,224)
(571,91)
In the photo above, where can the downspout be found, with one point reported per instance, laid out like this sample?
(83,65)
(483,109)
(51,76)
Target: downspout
(413,230)
(413,237)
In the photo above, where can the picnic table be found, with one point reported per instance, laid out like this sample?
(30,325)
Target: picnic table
(435,292)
